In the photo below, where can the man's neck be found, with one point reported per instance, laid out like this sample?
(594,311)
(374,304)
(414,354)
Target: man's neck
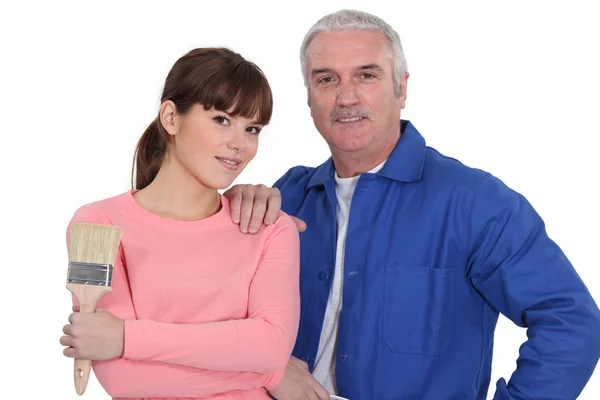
(348,164)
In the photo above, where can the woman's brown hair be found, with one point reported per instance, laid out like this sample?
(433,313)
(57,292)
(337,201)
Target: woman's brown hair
(212,77)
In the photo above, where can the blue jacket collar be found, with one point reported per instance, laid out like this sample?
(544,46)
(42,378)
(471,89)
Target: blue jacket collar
(405,163)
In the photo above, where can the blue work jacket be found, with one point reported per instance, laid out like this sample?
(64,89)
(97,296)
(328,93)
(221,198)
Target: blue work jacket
(434,251)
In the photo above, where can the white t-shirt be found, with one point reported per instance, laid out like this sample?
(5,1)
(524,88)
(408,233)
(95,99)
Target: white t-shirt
(324,371)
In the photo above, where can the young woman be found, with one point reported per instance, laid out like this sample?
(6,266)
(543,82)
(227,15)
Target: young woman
(197,308)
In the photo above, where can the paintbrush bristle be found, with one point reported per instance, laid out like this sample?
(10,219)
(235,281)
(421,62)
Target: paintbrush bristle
(94,243)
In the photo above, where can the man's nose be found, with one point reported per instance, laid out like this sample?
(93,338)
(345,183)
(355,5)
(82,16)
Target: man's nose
(347,94)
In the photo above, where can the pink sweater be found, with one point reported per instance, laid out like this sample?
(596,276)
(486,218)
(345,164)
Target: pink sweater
(209,312)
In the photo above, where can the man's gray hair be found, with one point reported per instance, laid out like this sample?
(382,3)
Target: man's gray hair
(357,20)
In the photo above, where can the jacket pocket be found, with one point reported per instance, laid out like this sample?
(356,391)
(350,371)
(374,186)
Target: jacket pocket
(417,308)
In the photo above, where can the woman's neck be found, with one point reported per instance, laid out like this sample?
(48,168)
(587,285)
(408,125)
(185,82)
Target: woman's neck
(176,194)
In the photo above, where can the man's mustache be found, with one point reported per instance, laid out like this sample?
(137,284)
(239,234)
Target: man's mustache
(340,112)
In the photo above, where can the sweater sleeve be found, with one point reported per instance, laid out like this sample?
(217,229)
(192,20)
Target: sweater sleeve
(262,342)
(121,377)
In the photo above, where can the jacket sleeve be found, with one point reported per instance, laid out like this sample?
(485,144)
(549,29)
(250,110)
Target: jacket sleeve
(121,377)
(293,177)
(526,276)
(292,186)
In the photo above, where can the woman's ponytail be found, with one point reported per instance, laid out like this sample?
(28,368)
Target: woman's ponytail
(149,155)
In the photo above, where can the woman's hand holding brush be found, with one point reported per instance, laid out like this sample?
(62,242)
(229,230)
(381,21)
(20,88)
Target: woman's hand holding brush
(93,336)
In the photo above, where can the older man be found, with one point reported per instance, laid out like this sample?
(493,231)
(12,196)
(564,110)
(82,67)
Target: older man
(409,255)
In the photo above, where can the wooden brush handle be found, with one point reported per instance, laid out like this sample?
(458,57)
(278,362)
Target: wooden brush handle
(88,297)
(82,374)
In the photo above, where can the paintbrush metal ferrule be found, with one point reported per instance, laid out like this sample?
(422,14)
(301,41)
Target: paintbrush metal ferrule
(87,273)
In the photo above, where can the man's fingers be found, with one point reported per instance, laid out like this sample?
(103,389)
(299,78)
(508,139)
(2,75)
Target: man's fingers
(273,206)
(247,207)
(258,213)
(253,205)
(301,225)
(229,193)
(235,199)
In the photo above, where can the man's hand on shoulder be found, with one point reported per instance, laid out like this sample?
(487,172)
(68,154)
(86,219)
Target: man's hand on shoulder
(253,205)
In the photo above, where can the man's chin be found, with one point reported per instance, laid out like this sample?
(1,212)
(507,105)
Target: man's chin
(350,146)
(352,141)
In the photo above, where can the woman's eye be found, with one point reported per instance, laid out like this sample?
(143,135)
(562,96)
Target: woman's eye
(221,120)
(253,130)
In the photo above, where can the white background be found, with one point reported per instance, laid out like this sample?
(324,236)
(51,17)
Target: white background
(511,88)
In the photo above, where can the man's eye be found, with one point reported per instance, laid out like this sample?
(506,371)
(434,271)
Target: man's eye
(368,76)
(327,79)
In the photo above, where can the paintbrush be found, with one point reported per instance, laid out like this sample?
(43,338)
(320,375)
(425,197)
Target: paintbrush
(92,253)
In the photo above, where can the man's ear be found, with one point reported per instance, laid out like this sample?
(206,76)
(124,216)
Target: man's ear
(403,84)
(168,117)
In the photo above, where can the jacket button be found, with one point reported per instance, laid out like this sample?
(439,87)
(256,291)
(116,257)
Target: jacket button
(323,275)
